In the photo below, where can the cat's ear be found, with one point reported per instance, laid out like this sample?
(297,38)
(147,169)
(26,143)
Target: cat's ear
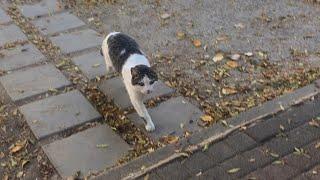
(134,72)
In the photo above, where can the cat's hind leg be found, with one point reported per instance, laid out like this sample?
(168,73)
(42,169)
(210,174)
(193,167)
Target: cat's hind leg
(104,51)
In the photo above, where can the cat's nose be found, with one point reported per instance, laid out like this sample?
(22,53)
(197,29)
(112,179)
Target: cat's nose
(149,91)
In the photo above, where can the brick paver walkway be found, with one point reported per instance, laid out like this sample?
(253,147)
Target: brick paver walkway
(275,146)
(284,146)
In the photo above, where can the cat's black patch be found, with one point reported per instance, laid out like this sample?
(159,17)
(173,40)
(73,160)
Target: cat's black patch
(121,46)
(140,71)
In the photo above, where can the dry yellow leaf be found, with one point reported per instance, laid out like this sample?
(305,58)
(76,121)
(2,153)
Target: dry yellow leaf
(18,146)
(234,170)
(229,90)
(197,43)
(218,57)
(207,118)
(232,64)
(171,139)
(181,35)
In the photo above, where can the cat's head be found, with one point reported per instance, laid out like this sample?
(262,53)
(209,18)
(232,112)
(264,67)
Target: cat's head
(143,78)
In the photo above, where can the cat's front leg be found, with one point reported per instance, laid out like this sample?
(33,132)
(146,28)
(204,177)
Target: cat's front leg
(137,102)
(149,126)
(143,113)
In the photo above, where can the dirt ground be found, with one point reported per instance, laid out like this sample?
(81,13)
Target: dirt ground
(275,45)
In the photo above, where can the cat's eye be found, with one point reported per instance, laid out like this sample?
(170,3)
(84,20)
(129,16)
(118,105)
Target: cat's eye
(141,84)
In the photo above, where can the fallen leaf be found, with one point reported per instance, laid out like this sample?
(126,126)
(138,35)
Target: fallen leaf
(53,90)
(199,173)
(197,43)
(274,155)
(96,65)
(218,57)
(239,26)
(165,15)
(222,37)
(281,128)
(249,54)
(235,57)
(181,35)
(17,147)
(206,146)
(20,174)
(224,122)
(232,64)
(206,118)
(181,125)
(278,162)
(24,162)
(314,123)
(90,19)
(229,91)
(170,139)
(1,155)
(317,146)
(234,170)
(101,145)
(261,54)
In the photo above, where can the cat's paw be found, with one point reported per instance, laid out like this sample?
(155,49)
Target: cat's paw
(150,127)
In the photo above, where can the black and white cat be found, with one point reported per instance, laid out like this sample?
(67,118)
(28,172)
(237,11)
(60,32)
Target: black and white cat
(122,54)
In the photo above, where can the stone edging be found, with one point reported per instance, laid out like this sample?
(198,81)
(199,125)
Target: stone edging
(144,164)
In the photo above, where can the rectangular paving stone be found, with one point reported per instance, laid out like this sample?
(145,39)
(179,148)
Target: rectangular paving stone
(20,56)
(45,7)
(169,116)
(91,64)
(198,162)
(237,162)
(58,113)
(4,18)
(258,157)
(213,173)
(219,152)
(11,33)
(312,174)
(114,88)
(273,171)
(58,23)
(305,161)
(239,142)
(32,81)
(274,106)
(77,41)
(166,172)
(289,119)
(81,151)
(295,138)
